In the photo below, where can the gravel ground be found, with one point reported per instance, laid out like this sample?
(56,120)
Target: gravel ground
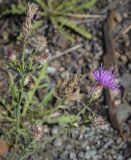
(88,143)
(97,140)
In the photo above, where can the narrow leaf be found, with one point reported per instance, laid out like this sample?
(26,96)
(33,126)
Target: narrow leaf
(63,119)
(72,25)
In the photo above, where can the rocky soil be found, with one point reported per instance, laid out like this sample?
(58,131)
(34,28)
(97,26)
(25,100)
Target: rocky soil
(97,140)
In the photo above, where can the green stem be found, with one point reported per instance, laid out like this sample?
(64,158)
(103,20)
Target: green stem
(23,54)
(32,92)
(18,106)
(85,107)
(47,117)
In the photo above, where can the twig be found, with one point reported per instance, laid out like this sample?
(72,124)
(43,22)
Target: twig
(75,15)
(84,16)
(86,106)
(59,54)
(126,30)
(123,32)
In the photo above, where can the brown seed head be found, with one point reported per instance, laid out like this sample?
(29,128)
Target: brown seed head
(32,8)
(70,87)
(11,55)
(96,92)
(42,58)
(27,27)
(39,42)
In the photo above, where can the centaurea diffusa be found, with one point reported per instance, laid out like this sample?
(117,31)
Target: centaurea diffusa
(106,78)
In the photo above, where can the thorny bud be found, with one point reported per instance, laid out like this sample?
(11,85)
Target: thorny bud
(42,58)
(27,27)
(69,88)
(96,92)
(39,42)
(27,80)
(32,8)
(38,131)
(11,55)
(98,121)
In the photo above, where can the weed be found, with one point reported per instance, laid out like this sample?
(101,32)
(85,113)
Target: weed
(23,112)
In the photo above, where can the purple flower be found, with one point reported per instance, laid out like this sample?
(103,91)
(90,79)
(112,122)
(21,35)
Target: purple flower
(106,77)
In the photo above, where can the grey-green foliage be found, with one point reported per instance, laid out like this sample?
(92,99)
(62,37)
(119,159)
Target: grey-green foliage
(59,14)
(13,9)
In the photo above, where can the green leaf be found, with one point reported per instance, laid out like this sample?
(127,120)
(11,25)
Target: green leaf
(72,25)
(11,79)
(13,9)
(48,97)
(37,24)
(18,9)
(75,5)
(14,92)
(42,4)
(85,5)
(42,75)
(63,120)
(67,5)
(66,34)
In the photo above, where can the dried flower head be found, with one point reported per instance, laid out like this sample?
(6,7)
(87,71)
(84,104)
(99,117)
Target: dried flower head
(42,58)
(27,80)
(96,92)
(106,77)
(39,43)
(37,131)
(27,27)
(69,87)
(11,55)
(32,8)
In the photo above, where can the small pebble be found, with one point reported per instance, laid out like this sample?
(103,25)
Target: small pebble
(54,130)
(72,155)
(90,153)
(129,66)
(58,142)
(81,155)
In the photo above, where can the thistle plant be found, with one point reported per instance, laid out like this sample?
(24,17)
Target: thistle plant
(23,109)
(106,77)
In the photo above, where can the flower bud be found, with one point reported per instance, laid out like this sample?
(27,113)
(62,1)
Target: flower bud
(27,27)
(96,92)
(32,8)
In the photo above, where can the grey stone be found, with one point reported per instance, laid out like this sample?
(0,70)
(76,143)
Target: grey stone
(64,155)
(73,155)
(81,155)
(126,80)
(120,157)
(90,153)
(58,142)
(89,134)
(129,66)
(68,147)
(54,130)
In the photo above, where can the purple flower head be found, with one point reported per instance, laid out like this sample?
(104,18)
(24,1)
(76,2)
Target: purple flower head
(106,77)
